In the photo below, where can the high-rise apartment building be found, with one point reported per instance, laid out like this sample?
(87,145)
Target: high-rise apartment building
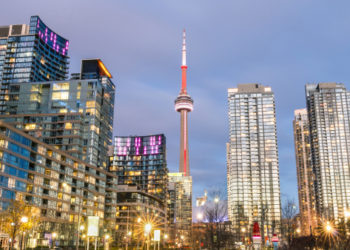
(253,169)
(31,53)
(305,174)
(95,69)
(141,160)
(71,115)
(56,185)
(183,206)
(328,108)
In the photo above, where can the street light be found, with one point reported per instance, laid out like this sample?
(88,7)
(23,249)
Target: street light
(53,237)
(200,217)
(24,219)
(148,230)
(107,237)
(82,228)
(216,200)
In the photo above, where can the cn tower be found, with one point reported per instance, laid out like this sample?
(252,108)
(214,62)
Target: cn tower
(184,105)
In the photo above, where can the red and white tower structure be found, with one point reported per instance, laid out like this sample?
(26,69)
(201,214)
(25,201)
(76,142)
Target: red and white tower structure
(184,105)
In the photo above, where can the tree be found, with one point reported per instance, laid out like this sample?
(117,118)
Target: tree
(216,233)
(18,219)
(288,223)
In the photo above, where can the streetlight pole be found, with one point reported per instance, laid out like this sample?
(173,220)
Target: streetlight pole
(200,216)
(148,230)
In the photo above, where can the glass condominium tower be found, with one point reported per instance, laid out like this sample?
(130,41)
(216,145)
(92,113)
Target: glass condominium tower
(328,107)
(31,53)
(305,174)
(253,169)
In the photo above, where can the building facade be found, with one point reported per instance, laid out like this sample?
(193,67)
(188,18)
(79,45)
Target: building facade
(141,160)
(253,169)
(71,115)
(305,174)
(55,184)
(136,208)
(31,53)
(328,108)
(183,206)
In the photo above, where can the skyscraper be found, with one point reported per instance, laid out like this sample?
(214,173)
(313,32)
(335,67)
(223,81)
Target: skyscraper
(328,107)
(253,187)
(31,53)
(304,171)
(71,115)
(141,160)
(184,105)
(182,184)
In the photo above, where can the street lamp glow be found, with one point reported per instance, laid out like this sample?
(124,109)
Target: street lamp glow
(129,233)
(347,214)
(148,228)
(199,216)
(243,229)
(165,236)
(328,228)
(84,236)
(182,236)
(139,220)
(82,228)
(107,236)
(216,200)
(298,230)
(24,219)
(54,235)
(64,184)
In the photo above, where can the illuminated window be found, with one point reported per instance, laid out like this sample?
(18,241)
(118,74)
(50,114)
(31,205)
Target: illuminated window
(90,104)
(63,111)
(78,95)
(29,126)
(68,125)
(60,96)
(90,112)
(79,85)
(35,87)
(35,97)
(12,183)
(61,86)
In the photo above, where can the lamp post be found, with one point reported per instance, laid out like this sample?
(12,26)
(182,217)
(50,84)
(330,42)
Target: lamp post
(200,217)
(148,230)
(243,231)
(165,238)
(138,239)
(23,220)
(53,239)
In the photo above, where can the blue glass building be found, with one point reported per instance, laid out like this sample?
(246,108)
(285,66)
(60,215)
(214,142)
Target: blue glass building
(31,53)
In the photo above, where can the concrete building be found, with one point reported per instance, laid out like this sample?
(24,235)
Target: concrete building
(71,115)
(56,185)
(183,206)
(31,53)
(307,205)
(184,105)
(328,117)
(253,169)
(200,201)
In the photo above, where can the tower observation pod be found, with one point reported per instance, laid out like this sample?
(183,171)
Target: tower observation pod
(184,105)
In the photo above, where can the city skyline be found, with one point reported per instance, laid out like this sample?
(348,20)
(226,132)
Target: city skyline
(218,61)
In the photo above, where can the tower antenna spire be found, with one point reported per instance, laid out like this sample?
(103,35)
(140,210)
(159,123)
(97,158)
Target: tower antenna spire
(184,66)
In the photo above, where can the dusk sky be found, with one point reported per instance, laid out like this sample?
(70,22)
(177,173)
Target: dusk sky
(282,44)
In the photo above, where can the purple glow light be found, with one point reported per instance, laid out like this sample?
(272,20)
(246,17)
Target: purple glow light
(63,51)
(57,48)
(145,150)
(152,150)
(67,44)
(128,142)
(119,151)
(118,142)
(124,150)
(156,149)
(38,23)
(137,151)
(46,40)
(160,140)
